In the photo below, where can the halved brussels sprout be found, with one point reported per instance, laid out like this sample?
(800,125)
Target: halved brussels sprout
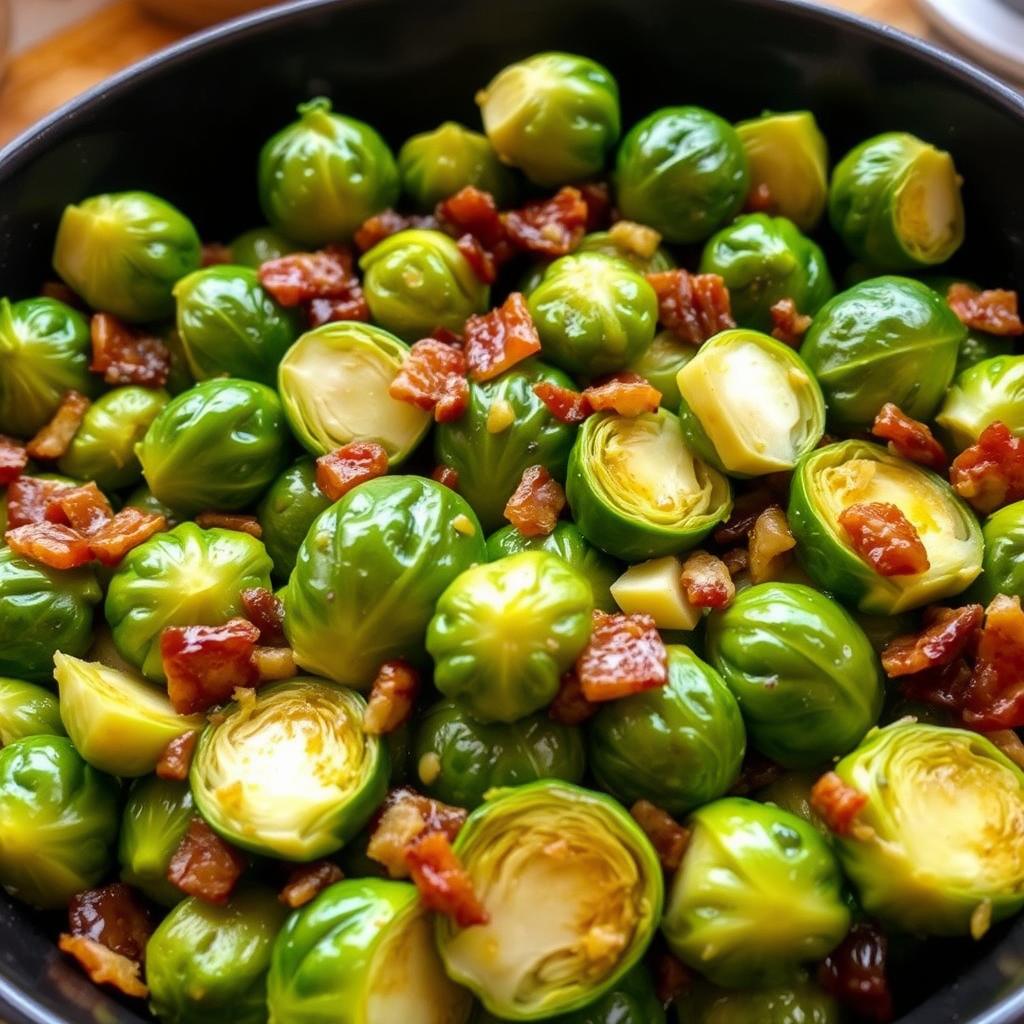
(798,1002)
(887,339)
(257,246)
(788,156)
(758,894)
(554,115)
(59,821)
(829,480)
(1003,558)
(988,391)
(637,491)
(578,855)
(27,710)
(678,746)
(942,832)
(370,571)
(682,171)
(287,512)
(323,175)
(749,405)
(805,675)
(660,364)
(123,251)
(362,952)
(185,577)
(895,202)
(504,633)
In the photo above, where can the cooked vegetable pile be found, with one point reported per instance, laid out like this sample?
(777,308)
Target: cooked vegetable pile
(518,582)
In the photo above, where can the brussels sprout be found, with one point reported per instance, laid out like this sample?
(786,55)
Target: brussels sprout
(287,512)
(28,710)
(678,746)
(895,202)
(799,1002)
(636,490)
(594,313)
(1003,557)
(990,390)
(749,405)
(324,174)
(45,349)
(362,951)
(757,894)
(555,116)
(683,171)
(805,675)
(660,364)
(370,571)
(142,497)
(257,246)
(123,251)
(505,632)
(490,461)
(788,155)
(59,821)
(829,480)
(578,855)
(103,448)
(185,577)
(888,339)
(42,611)
(942,831)
(216,446)
(206,964)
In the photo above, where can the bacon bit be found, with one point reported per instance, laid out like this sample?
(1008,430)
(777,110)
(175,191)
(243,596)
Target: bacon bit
(323,280)
(945,686)
(564,404)
(854,973)
(756,772)
(474,212)
(433,378)
(995,696)
(667,836)
(385,224)
(351,307)
(909,438)
(694,307)
(104,966)
(536,503)
(307,881)
(736,560)
(790,325)
(214,254)
(444,885)
(55,438)
(707,581)
(598,197)
(993,311)
(625,655)
(990,473)
(570,707)
(883,536)
(273,663)
(127,530)
(230,521)
(671,978)
(204,865)
(126,356)
(769,544)
(176,759)
(114,916)
(747,508)
(627,394)
(28,498)
(548,227)
(836,803)
(346,467)
(447,476)
(483,263)
(940,643)
(84,509)
(404,817)
(759,199)
(266,612)
(498,340)
(51,544)
(392,698)
(62,293)
(13,460)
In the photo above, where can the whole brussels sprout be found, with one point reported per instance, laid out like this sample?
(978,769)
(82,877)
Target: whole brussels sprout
(554,115)
(805,675)
(504,633)
(749,405)
(257,246)
(287,512)
(758,894)
(490,461)
(207,963)
(888,339)
(370,571)
(123,251)
(27,710)
(988,391)
(59,821)
(830,479)
(895,202)
(324,174)
(185,577)
(578,855)
(682,171)
(594,313)
(660,364)
(1003,557)
(636,490)
(216,446)
(678,746)
(798,1002)
(45,349)
(418,280)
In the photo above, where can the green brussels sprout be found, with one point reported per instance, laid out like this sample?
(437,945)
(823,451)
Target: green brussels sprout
(370,571)
(362,951)
(323,175)
(42,611)
(257,246)
(762,260)
(123,251)
(505,430)
(941,831)
(504,633)
(806,677)
(830,479)
(594,313)
(888,339)
(758,894)
(678,746)
(636,490)
(660,364)
(1003,557)
(59,821)
(895,202)
(216,446)
(988,391)
(554,115)
(185,577)
(103,448)
(45,348)
(682,171)
(207,963)
(230,326)
(142,497)
(798,1002)
(749,405)
(287,511)
(27,710)
(578,855)
(788,156)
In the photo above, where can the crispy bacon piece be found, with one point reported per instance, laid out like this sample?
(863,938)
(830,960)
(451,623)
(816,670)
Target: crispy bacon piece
(472,211)
(672,978)
(387,223)
(995,696)
(945,686)
(707,581)
(230,521)
(483,262)
(736,560)
(598,197)
(942,642)
(747,507)
(854,973)
(536,503)
(548,227)
(346,467)
(883,536)
(53,440)
(769,544)
(265,611)
(498,340)
(176,758)
(51,544)
(570,707)
(27,499)
(667,836)
(909,438)
(446,475)
(83,508)
(214,254)
(13,460)
(392,697)
(990,473)
(836,803)
(324,279)
(433,378)
(760,199)
(127,530)
(204,865)
(104,966)
(444,885)
(126,356)
(307,881)
(756,772)
(564,404)
(406,816)
(694,307)
(62,293)
(993,311)
(627,394)
(114,916)
(625,655)
(789,324)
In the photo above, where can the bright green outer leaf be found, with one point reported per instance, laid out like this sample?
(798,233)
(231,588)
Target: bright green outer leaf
(257,246)
(1003,560)
(287,512)
(27,710)
(660,364)
(988,391)
(798,1002)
